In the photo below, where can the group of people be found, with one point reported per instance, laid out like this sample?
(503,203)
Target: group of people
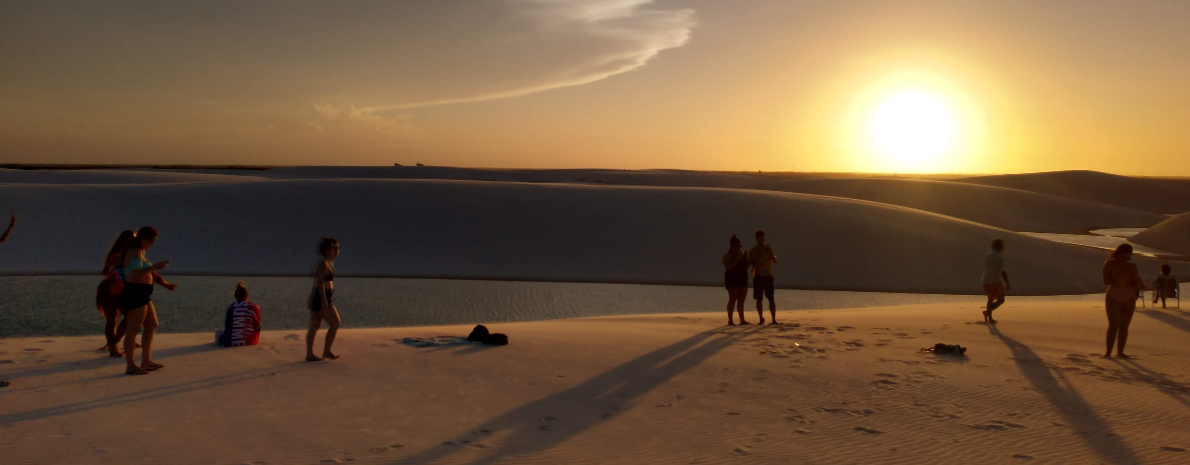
(127,289)
(1120,275)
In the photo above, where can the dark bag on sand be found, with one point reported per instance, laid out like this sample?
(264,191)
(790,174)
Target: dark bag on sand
(481,334)
(941,348)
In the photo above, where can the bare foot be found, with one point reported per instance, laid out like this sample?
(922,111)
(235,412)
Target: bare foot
(329,356)
(772,322)
(730,323)
(1107,355)
(1121,355)
(744,322)
(151,366)
(135,371)
(115,354)
(311,358)
(762,320)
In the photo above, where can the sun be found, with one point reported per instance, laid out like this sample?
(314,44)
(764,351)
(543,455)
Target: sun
(912,127)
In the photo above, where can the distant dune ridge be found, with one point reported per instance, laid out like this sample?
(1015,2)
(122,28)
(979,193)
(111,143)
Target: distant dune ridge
(1153,195)
(507,230)
(1172,234)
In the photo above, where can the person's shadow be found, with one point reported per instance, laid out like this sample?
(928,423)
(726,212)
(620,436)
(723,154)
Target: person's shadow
(1057,390)
(549,421)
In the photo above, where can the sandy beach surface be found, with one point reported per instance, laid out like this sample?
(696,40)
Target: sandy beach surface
(827,386)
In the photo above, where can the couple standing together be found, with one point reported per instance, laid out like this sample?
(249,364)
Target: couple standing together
(761,259)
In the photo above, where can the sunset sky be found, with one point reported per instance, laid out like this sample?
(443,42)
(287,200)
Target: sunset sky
(772,85)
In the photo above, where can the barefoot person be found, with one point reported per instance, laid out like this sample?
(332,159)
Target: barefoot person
(762,257)
(12,221)
(736,278)
(1123,286)
(995,280)
(107,295)
(241,327)
(136,302)
(322,304)
(1165,286)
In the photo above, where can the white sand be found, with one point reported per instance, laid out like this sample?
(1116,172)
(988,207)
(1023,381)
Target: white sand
(564,232)
(846,386)
(1172,235)
(1147,194)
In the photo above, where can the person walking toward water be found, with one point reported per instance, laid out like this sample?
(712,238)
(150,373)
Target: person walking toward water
(12,221)
(995,280)
(762,257)
(1165,286)
(322,303)
(736,278)
(1123,287)
(107,295)
(136,302)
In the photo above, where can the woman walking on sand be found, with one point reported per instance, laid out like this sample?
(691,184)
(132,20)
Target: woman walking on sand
(107,295)
(736,278)
(137,304)
(322,303)
(1123,285)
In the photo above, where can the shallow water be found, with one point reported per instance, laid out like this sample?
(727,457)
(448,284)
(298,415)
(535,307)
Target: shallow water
(65,305)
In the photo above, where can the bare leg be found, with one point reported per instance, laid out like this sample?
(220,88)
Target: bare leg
(133,320)
(730,306)
(331,315)
(773,311)
(315,323)
(1122,333)
(739,303)
(146,340)
(109,331)
(1112,330)
(760,310)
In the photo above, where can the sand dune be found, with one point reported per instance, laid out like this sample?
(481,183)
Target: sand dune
(831,387)
(529,231)
(1147,194)
(8,176)
(1011,209)
(1172,235)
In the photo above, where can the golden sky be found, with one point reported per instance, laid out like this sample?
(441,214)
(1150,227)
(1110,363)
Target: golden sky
(774,85)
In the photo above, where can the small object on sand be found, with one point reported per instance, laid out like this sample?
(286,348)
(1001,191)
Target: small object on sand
(4,383)
(481,334)
(946,349)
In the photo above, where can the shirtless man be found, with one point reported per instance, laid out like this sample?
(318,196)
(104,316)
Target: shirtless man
(995,279)
(762,258)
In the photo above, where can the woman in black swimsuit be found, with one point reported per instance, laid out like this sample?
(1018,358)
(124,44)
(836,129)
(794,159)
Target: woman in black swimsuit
(322,303)
(736,278)
(137,304)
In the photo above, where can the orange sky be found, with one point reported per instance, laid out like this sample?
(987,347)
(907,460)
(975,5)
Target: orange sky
(718,85)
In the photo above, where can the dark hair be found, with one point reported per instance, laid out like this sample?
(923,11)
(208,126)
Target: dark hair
(1121,250)
(326,244)
(759,232)
(120,244)
(241,292)
(733,241)
(1166,270)
(997,244)
(146,233)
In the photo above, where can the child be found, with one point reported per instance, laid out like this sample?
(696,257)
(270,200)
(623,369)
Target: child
(1165,286)
(242,325)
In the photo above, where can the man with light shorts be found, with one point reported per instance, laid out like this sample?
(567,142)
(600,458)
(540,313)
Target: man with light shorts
(995,279)
(762,258)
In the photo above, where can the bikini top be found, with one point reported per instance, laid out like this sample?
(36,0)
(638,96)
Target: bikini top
(138,264)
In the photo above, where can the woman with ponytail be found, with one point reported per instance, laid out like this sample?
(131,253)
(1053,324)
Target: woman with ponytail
(736,278)
(241,327)
(1123,287)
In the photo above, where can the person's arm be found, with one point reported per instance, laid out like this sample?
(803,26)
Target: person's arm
(322,269)
(12,221)
(1007,284)
(158,279)
(772,254)
(728,262)
(1107,272)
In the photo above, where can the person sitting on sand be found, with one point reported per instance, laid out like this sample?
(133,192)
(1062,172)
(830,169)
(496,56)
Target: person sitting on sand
(736,278)
(107,294)
(1165,286)
(241,327)
(322,303)
(1123,285)
(762,258)
(12,221)
(995,280)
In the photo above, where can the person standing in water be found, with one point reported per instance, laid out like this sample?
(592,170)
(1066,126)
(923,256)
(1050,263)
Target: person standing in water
(12,221)
(736,279)
(322,303)
(762,257)
(137,304)
(995,280)
(1123,287)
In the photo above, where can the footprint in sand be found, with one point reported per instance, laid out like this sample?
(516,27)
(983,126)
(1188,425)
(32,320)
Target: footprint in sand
(1022,456)
(887,375)
(6,361)
(291,337)
(47,341)
(32,349)
(801,431)
(863,429)
(1172,449)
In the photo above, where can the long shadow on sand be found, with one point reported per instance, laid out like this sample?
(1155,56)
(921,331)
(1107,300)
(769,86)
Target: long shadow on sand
(1179,392)
(1179,322)
(1057,390)
(163,391)
(100,361)
(547,422)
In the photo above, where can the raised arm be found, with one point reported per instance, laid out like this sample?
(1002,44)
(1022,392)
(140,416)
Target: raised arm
(12,221)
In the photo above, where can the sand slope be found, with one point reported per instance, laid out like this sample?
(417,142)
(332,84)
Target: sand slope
(1172,235)
(840,387)
(530,231)
(1153,195)
(8,176)
(1012,209)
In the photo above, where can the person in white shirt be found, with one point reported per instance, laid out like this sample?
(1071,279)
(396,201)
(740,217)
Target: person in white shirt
(995,279)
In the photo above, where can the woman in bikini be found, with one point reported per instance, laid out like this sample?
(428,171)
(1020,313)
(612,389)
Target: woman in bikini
(1123,286)
(736,278)
(107,296)
(137,304)
(322,303)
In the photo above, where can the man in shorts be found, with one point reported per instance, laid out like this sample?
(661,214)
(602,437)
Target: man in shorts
(995,279)
(762,258)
